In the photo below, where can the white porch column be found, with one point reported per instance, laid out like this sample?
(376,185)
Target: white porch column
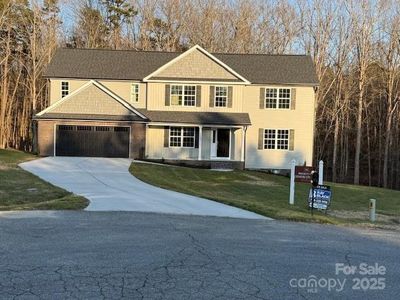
(244,128)
(200,141)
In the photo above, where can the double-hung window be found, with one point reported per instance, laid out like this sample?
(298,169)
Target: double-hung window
(134,92)
(271,98)
(64,88)
(269,138)
(276,139)
(184,95)
(221,96)
(277,98)
(182,137)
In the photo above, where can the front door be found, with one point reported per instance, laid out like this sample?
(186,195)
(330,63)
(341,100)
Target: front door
(220,143)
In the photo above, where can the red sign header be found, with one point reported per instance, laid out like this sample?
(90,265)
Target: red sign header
(303,174)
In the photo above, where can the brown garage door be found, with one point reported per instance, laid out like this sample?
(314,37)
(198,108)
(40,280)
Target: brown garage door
(94,141)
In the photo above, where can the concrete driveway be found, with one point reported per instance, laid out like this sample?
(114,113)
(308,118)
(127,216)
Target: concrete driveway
(109,186)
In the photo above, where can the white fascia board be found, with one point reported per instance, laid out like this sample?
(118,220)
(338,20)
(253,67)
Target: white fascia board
(193,125)
(197,82)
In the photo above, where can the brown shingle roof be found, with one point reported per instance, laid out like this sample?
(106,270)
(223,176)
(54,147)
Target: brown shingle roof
(205,118)
(136,65)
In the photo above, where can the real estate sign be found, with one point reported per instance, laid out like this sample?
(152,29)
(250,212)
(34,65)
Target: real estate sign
(322,197)
(303,174)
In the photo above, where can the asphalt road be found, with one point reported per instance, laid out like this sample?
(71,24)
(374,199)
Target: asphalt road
(112,255)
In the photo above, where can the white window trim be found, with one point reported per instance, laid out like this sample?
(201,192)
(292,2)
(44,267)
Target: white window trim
(181,138)
(215,96)
(277,98)
(133,92)
(276,139)
(63,90)
(183,95)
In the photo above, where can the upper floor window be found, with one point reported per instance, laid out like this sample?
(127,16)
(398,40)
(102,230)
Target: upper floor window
(184,95)
(64,88)
(276,139)
(221,96)
(134,92)
(277,98)
(182,137)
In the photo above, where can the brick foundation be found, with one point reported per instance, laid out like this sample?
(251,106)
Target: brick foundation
(204,164)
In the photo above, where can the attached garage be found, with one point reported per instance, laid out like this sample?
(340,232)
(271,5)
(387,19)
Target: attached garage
(93,141)
(91,121)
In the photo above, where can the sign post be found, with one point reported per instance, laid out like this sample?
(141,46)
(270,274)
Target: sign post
(291,194)
(314,184)
(298,174)
(321,172)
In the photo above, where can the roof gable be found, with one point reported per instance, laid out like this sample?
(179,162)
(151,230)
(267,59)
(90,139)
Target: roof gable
(198,65)
(95,99)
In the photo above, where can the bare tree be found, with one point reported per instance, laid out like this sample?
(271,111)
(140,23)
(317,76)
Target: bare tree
(363,18)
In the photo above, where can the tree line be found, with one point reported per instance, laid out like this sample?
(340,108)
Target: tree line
(355,46)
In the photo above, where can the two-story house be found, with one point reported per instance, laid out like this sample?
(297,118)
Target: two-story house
(195,108)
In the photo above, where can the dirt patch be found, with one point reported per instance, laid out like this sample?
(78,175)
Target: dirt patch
(4,167)
(208,183)
(251,176)
(382,221)
(258,182)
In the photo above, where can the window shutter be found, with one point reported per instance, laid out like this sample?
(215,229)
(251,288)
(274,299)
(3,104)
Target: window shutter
(212,93)
(167,95)
(293,99)
(230,92)
(262,98)
(196,137)
(261,139)
(166,136)
(198,95)
(291,139)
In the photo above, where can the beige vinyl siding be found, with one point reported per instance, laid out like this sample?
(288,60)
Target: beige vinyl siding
(246,98)
(91,100)
(156,97)
(155,146)
(300,119)
(55,88)
(195,65)
(121,88)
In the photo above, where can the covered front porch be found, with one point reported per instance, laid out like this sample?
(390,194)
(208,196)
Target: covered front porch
(209,146)
(204,139)
(221,143)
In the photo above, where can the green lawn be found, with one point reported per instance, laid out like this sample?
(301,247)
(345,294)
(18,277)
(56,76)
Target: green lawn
(21,190)
(268,194)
